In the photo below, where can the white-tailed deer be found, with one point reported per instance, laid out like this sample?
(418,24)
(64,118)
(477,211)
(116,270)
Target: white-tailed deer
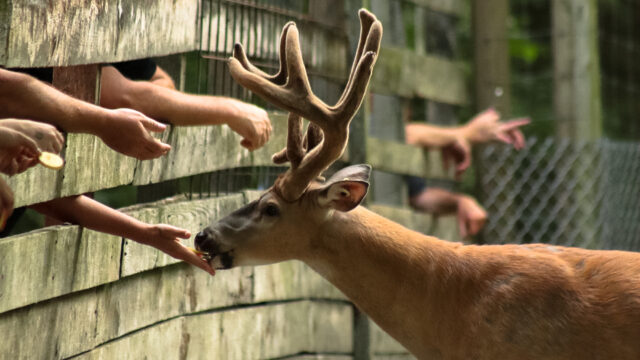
(441,300)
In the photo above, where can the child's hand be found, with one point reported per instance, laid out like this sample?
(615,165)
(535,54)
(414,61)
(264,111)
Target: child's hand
(166,238)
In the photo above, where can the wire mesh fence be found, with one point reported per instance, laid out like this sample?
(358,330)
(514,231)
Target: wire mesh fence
(561,191)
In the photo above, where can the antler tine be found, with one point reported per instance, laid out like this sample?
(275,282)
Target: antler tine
(281,76)
(297,147)
(294,152)
(366,20)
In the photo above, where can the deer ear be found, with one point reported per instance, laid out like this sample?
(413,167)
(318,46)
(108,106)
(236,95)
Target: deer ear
(346,188)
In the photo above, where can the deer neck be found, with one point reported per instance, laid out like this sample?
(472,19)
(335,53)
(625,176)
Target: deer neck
(393,274)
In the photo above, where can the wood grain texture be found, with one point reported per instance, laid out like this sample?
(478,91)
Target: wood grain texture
(85,320)
(399,158)
(72,32)
(56,261)
(262,332)
(404,73)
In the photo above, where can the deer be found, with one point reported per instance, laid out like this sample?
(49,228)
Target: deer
(439,299)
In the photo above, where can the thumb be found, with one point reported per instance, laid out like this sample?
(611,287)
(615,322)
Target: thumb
(153,125)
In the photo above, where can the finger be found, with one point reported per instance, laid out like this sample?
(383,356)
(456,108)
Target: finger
(462,228)
(247,144)
(519,142)
(445,159)
(504,138)
(153,125)
(463,165)
(30,146)
(514,123)
(178,232)
(189,256)
(13,167)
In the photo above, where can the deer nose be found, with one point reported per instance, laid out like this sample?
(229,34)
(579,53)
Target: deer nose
(201,237)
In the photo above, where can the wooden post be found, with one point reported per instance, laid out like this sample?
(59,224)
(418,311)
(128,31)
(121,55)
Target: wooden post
(576,96)
(576,69)
(81,81)
(491,48)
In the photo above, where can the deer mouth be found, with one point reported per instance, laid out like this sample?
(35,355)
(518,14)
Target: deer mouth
(217,259)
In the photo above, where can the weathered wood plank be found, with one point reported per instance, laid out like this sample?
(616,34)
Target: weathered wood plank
(399,158)
(53,262)
(191,215)
(91,165)
(85,320)
(72,32)
(201,149)
(404,73)
(254,333)
(35,185)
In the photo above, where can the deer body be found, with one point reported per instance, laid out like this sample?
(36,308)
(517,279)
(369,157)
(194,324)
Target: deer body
(441,300)
(452,301)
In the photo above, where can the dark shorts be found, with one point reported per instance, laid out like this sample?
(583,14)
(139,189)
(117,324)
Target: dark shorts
(416,185)
(142,69)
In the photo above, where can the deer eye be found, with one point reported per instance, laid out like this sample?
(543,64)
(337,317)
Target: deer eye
(271,210)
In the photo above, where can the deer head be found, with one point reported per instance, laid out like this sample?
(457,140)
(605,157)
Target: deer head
(280,225)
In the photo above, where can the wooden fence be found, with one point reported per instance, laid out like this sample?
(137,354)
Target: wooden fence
(69,292)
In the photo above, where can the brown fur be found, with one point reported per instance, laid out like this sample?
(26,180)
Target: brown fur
(445,300)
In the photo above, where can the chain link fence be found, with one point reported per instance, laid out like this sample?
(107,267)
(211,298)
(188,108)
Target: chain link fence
(564,192)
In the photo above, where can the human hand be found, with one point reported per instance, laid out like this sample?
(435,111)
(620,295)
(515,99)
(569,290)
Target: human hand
(127,132)
(253,124)
(486,127)
(166,238)
(470,215)
(46,136)
(457,152)
(18,151)
(6,203)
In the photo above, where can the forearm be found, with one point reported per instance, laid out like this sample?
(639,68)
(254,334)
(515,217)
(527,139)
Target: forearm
(178,108)
(86,212)
(431,136)
(25,97)
(437,201)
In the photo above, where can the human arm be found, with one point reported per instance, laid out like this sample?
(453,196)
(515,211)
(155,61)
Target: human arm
(161,78)
(86,212)
(125,131)
(471,217)
(178,108)
(456,142)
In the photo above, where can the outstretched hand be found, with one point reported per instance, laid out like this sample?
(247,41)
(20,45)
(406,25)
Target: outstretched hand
(166,238)
(127,132)
(486,127)
(458,153)
(253,124)
(18,151)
